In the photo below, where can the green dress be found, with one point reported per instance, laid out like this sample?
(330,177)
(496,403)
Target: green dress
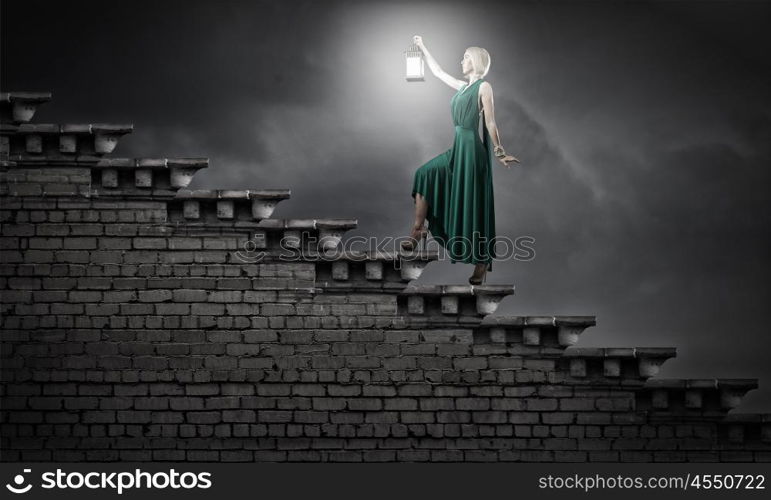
(458,186)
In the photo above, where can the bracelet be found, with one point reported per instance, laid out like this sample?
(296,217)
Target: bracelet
(499,152)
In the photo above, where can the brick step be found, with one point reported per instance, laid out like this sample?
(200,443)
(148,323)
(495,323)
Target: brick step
(440,305)
(625,368)
(142,320)
(531,335)
(154,179)
(696,399)
(257,345)
(163,251)
(316,242)
(168,256)
(368,270)
(300,235)
(19,107)
(208,205)
(287,240)
(150,177)
(66,144)
(632,364)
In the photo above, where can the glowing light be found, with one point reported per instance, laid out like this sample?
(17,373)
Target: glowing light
(415,64)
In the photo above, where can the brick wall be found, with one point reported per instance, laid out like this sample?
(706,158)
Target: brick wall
(145,321)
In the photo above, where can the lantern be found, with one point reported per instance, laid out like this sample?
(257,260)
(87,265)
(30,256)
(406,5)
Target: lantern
(414,57)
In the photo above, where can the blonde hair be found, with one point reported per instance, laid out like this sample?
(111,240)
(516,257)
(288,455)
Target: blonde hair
(480,60)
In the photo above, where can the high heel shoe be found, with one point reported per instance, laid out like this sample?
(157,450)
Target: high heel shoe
(480,280)
(417,235)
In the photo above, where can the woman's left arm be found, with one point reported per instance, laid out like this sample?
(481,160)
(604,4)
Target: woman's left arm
(486,93)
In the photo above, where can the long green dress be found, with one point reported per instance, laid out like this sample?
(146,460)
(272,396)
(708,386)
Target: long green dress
(458,186)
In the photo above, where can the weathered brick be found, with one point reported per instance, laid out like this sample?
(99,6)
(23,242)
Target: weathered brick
(131,335)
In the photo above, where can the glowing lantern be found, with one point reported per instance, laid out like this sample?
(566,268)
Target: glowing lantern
(414,57)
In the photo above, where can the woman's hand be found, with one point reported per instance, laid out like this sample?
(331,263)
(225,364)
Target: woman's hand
(508,159)
(418,40)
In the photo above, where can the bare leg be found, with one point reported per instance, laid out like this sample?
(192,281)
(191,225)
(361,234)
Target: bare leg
(418,232)
(421,209)
(479,271)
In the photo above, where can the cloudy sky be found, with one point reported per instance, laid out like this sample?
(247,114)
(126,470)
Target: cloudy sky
(643,131)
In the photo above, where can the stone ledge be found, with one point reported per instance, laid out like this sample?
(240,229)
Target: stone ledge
(372,255)
(584,321)
(143,177)
(342,223)
(621,352)
(450,304)
(25,97)
(222,204)
(540,321)
(534,331)
(31,141)
(306,234)
(368,270)
(246,194)
(648,360)
(708,398)
(459,290)
(275,239)
(152,163)
(25,161)
(20,107)
(703,383)
(75,128)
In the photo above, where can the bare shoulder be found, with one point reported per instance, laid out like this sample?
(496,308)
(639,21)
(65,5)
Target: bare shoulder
(485,88)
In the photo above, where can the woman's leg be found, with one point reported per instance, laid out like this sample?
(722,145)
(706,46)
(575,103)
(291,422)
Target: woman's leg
(421,210)
(479,271)
(430,178)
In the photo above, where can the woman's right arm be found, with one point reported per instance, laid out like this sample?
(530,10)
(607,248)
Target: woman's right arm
(435,68)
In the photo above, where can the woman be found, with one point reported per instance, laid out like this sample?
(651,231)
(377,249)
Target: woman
(454,190)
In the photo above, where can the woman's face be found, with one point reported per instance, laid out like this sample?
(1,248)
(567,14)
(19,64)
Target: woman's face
(465,63)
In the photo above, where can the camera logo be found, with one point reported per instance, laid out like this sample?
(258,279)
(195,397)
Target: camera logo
(19,481)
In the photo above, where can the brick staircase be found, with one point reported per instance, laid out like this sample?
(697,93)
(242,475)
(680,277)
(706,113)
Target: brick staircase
(145,321)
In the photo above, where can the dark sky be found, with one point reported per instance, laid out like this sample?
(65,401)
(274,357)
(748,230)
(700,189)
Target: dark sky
(643,131)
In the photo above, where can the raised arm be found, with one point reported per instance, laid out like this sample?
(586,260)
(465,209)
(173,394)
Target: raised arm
(486,94)
(435,68)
